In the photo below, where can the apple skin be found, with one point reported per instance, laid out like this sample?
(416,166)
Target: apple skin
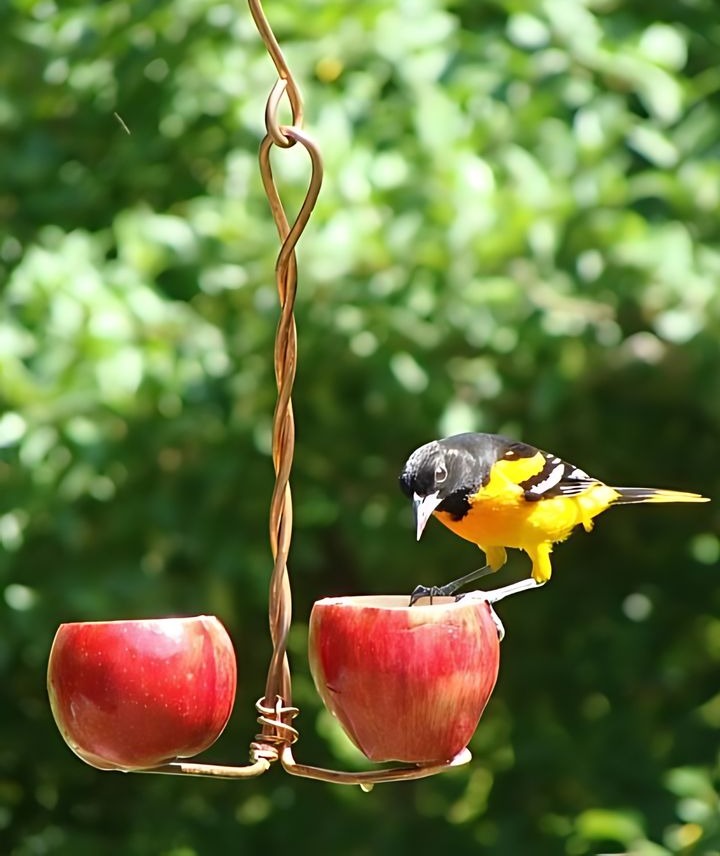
(128,695)
(406,683)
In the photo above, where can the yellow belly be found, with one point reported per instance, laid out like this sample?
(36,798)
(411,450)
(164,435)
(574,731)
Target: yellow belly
(502,521)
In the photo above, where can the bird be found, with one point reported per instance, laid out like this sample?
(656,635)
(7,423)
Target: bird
(500,493)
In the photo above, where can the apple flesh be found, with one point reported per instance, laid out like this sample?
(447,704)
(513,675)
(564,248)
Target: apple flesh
(406,683)
(128,695)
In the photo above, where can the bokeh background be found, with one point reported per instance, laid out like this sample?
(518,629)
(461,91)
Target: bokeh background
(519,231)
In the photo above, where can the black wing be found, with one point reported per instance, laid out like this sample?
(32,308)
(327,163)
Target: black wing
(556,478)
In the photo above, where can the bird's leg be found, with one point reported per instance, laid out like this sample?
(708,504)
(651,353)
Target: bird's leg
(449,588)
(491,597)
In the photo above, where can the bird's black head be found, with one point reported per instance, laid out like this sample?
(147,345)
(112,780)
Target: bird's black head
(443,474)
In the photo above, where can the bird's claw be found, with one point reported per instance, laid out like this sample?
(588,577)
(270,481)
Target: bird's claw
(427,591)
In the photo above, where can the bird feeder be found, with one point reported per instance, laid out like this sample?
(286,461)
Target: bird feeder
(407,684)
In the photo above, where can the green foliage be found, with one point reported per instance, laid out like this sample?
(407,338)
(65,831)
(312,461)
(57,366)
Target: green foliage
(518,232)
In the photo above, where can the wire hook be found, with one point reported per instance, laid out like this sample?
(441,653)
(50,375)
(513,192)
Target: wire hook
(286,85)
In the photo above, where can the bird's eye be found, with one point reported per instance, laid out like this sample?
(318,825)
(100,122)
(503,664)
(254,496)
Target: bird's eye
(440,474)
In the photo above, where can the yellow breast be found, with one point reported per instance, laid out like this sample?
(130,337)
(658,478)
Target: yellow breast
(500,516)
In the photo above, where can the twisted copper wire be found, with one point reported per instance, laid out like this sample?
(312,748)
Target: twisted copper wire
(278,684)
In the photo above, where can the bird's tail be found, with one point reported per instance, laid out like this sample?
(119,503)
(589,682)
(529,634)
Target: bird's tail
(627,495)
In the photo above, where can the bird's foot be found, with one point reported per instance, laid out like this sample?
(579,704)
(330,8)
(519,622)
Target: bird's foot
(431,592)
(450,588)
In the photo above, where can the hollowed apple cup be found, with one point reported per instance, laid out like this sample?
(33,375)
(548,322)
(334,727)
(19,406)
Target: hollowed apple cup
(406,683)
(128,695)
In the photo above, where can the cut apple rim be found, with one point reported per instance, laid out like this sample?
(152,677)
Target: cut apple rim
(165,619)
(406,683)
(385,601)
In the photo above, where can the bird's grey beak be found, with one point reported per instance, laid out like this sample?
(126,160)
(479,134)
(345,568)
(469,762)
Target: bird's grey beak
(423,507)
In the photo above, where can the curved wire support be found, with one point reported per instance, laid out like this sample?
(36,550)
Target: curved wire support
(214,771)
(262,763)
(372,777)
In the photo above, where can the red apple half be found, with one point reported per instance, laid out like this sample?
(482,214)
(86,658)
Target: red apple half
(406,683)
(127,695)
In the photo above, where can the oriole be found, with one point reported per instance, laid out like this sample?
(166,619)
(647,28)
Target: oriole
(500,493)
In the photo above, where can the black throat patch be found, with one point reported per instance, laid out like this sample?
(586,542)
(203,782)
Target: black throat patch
(456,505)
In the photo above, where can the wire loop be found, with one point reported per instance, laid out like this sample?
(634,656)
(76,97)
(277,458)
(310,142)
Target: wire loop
(272,123)
(284,73)
(276,719)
